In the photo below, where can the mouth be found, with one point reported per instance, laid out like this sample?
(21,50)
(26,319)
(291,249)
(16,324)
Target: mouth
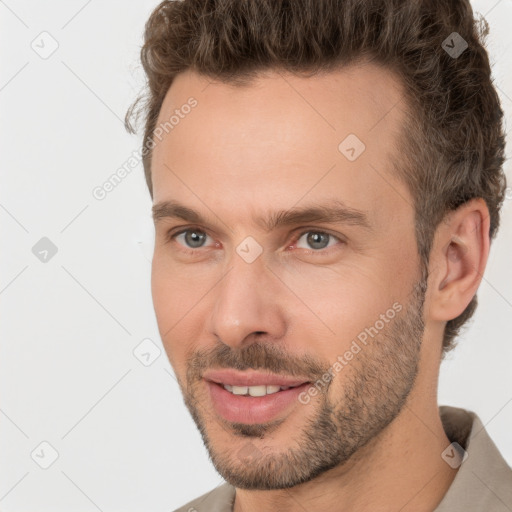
(252,397)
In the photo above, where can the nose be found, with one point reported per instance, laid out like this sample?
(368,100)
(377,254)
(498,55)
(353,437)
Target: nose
(248,301)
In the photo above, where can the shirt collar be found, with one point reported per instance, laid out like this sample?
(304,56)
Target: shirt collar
(484,479)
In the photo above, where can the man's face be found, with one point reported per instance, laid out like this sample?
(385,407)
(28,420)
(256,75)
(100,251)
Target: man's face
(329,305)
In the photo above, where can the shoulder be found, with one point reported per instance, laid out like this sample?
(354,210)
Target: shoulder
(219,499)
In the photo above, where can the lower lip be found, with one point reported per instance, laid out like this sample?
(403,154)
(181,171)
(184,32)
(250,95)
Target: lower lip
(252,409)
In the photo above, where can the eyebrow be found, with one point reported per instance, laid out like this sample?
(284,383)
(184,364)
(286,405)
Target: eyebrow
(333,212)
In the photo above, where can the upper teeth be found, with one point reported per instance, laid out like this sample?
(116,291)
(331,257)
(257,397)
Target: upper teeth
(254,390)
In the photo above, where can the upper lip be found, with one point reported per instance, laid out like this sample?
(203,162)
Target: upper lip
(251,378)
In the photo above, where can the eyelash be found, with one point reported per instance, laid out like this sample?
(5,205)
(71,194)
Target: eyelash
(171,236)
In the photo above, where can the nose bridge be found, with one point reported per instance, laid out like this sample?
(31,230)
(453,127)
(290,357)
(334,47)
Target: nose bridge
(246,302)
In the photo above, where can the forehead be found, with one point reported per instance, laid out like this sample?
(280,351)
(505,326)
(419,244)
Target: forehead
(283,138)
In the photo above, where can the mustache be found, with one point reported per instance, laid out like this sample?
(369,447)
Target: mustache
(268,357)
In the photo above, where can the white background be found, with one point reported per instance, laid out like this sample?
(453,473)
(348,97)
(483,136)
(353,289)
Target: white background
(68,375)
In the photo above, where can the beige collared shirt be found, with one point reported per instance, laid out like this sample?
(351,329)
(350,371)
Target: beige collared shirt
(483,482)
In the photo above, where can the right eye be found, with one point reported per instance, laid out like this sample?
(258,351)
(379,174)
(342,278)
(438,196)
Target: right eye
(190,238)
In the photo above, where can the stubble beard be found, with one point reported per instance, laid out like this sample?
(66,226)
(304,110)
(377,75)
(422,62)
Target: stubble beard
(372,394)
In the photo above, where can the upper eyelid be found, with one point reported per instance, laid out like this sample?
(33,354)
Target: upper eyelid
(316,230)
(184,230)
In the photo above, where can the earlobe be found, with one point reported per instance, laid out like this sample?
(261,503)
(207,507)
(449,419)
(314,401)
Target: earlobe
(463,248)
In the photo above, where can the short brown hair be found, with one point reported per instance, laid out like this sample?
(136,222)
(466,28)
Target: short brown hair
(453,142)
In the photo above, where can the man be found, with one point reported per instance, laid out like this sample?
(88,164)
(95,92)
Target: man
(326,178)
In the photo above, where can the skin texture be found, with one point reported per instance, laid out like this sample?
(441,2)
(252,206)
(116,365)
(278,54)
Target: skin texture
(373,438)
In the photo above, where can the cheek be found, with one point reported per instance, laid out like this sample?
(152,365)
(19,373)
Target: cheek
(173,300)
(162,292)
(341,304)
(175,288)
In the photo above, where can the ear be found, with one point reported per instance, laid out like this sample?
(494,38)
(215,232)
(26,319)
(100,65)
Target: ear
(459,256)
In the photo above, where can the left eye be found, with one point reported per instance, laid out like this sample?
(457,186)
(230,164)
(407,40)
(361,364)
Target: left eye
(316,240)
